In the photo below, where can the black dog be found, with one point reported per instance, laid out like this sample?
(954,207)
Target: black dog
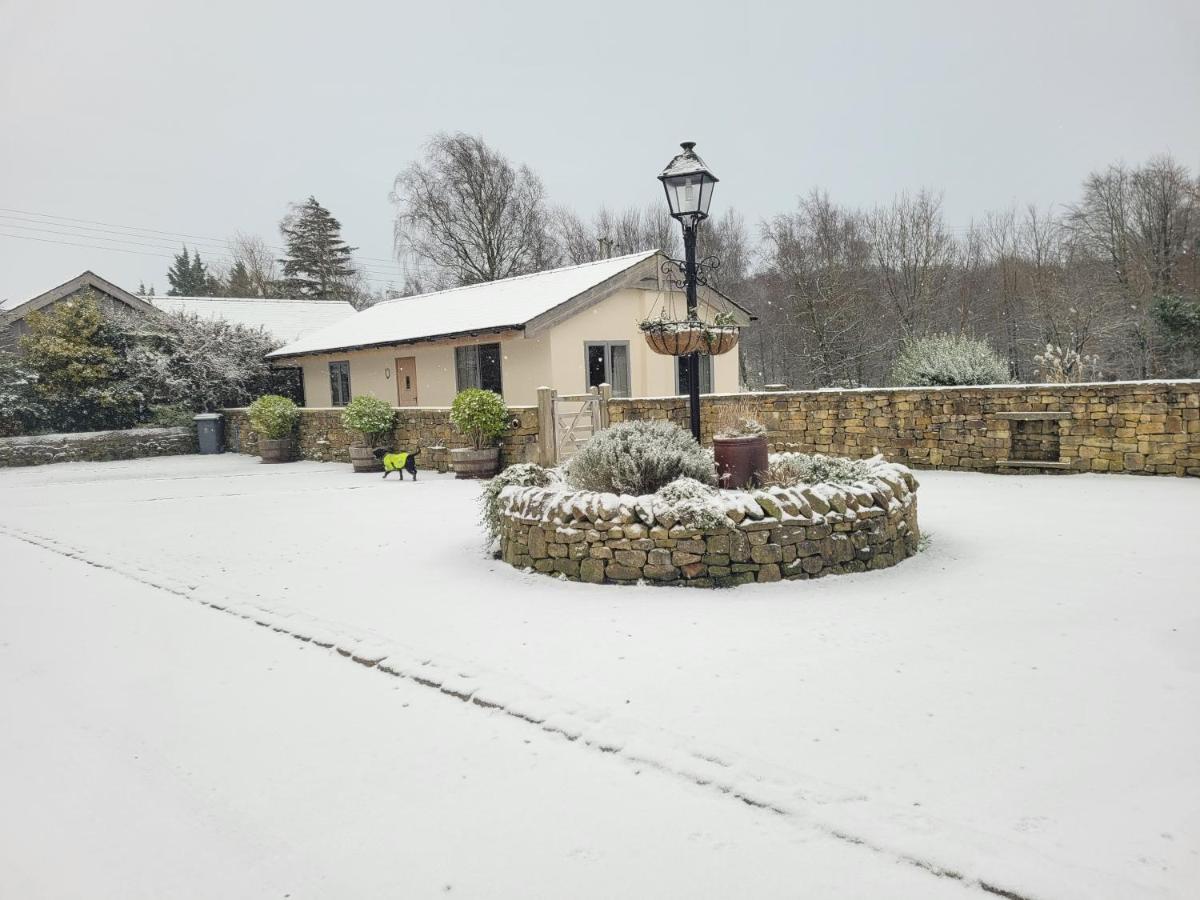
(398,462)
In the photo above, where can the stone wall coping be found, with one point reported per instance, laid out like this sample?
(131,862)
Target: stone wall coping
(407,409)
(1183,383)
(77,436)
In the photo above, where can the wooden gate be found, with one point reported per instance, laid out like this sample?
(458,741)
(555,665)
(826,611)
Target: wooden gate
(566,423)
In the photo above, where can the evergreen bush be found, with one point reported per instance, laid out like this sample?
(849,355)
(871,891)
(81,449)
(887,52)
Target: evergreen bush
(522,475)
(789,469)
(273,417)
(371,417)
(639,458)
(480,416)
(946,360)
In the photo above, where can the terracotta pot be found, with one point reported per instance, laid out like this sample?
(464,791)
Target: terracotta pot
(470,463)
(279,451)
(363,459)
(741,461)
(675,343)
(720,340)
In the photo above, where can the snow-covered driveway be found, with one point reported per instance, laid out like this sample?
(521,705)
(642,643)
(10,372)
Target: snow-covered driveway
(1018,705)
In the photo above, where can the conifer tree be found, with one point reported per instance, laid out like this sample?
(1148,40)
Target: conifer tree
(189,277)
(239,284)
(318,264)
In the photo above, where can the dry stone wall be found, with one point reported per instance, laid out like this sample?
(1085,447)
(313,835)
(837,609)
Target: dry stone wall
(768,535)
(94,446)
(322,437)
(1145,427)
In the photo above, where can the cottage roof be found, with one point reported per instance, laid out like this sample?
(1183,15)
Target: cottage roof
(284,319)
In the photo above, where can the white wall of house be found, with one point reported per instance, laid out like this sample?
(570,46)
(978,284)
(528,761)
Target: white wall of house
(555,356)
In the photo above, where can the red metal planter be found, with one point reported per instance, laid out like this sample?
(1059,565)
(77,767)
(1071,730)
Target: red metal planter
(741,461)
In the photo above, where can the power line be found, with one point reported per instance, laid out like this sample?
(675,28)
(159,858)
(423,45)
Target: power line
(100,234)
(25,237)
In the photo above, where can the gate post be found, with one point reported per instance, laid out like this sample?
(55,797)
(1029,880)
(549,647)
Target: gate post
(547,449)
(605,396)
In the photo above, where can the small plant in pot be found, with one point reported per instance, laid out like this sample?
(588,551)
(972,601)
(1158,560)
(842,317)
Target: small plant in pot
(672,337)
(274,419)
(481,417)
(372,419)
(739,447)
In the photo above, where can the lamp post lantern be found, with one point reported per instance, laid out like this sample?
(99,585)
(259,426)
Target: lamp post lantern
(689,186)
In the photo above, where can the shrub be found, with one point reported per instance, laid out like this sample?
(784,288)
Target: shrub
(22,411)
(787,469)
(170,416)
(273,417)
(479,415)
(639,458)
(694,504)
(523,475)
(371,417)
(1059,365)
(201,364)
(945,360)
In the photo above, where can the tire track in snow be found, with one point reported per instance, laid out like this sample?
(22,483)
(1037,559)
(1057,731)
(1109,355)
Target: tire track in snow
(391,658)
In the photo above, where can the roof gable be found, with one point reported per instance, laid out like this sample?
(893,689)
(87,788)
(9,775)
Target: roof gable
(80,282)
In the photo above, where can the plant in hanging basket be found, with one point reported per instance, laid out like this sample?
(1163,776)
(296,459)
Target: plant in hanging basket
(720,336)
(673,338)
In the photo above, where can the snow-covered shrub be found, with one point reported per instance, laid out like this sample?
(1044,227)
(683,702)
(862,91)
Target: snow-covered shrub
(371,417)
(273,417)
(639,458)
(945,360)
(694,504)
(520,475)
(788,469)
(201,365)
(479,415)
(22,411)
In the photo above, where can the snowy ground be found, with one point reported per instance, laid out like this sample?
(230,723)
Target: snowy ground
(1016,709)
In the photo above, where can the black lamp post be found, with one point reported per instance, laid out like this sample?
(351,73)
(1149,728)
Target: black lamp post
(689,187)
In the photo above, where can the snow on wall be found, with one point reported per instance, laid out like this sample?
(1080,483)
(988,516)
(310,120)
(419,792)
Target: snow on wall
(769,534)
(133,443)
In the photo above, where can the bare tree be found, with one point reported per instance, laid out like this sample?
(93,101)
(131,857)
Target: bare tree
(915,255)
(252,252)
(472,215)
(630,230)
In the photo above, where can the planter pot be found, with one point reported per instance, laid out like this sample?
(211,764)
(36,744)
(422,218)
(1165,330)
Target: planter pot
(279,451)
(468,463)
(679,341)
(741,461)
(720,340)
(363,459)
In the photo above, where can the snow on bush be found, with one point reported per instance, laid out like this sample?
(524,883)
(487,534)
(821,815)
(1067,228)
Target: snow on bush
(789,469)
(639,458)
(479,415)
(273,417)
(946,360)
(370,417)
(694,504)
(520,475)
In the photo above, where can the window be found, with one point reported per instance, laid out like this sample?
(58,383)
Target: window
(478,366)
(608,361)
(339,383)
(683,364)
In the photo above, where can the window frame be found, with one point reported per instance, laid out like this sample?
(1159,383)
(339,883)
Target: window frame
(342,364)
(608,370)
(712,374)
(477,351)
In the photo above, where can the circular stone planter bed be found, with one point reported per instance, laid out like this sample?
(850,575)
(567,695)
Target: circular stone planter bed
(768,534)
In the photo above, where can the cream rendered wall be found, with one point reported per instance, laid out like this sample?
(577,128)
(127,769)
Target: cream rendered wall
(615,319)
(553,357)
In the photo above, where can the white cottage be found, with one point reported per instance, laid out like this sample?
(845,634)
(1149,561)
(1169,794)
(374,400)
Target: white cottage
(570,328)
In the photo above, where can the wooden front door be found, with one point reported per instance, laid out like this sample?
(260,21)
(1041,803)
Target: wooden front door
(406,381)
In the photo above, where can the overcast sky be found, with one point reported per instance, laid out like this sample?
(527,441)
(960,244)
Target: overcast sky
(208,118)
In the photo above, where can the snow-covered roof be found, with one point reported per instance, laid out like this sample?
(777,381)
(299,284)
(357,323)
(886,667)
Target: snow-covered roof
(285,320)
(489,306)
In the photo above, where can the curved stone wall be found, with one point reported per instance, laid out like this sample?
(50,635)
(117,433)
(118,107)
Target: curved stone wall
(768,535)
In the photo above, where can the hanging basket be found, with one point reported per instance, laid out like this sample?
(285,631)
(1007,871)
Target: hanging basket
(676,338)
(719,339)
